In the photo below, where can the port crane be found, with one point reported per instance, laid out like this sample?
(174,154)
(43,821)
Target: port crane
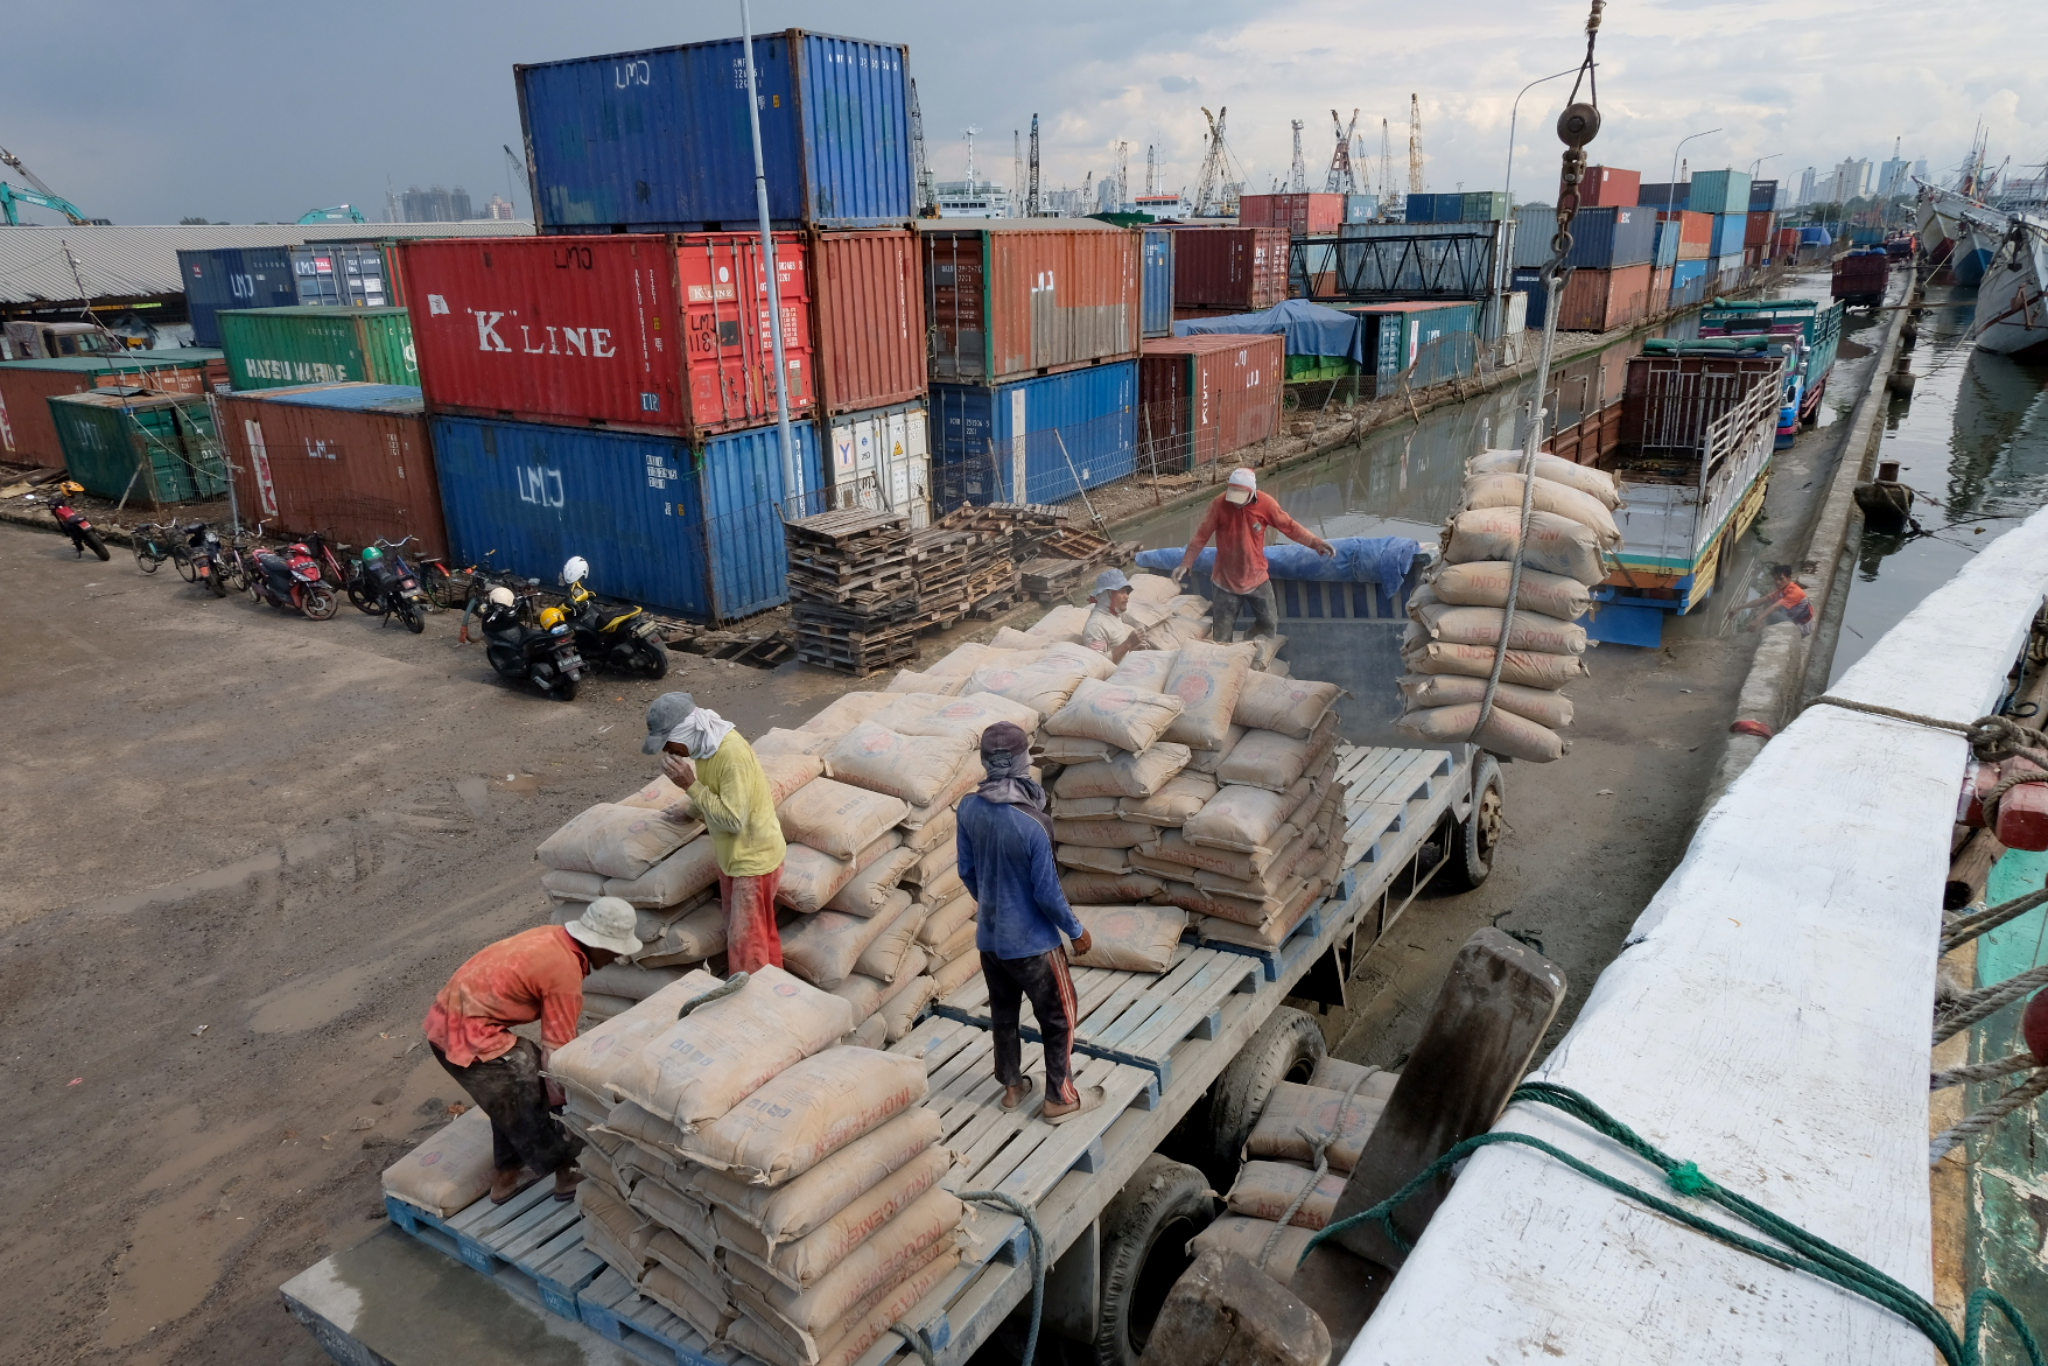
(1297,177)
(1414,144)
(1210,187)
(1031,192)
(1342,180)
(39,194)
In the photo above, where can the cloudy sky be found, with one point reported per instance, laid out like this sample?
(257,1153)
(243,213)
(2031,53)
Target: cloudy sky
(145,113)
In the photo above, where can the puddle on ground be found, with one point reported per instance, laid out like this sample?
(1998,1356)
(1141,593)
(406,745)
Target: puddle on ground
(173,1258)
(308,1003)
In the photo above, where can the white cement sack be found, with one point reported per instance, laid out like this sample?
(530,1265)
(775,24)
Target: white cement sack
(788,772)
(1484,583)
(659,794)
(805,1202)
(913,993)
(564,886)
(1146,670)
(1292,1109)
(808,1111)
(1207,679)
(873,1032)
(864,994)
(1253,911)
(701,1066)
(1176,631)
(1597,483)
(1150,589)
(688,1216)
(1094,663)
(966,716)
(1557,544)
(614,1229)
(1067,749)
(1265,758)
(1131,938)
(887,954)
(873,888)
(450,1171)
(690,936)
(1111,833)
(1063,622)
(943,921)
(587,1062)
(1083,859)
(1169,808)
(1291,706)
(804,1262)
(846,711)
(823,948)
(878,1261)
(1505,490)
(1127,718)
(837,818)
(933,865)
(963,659)
(940,829)
(1126,775)
(627,980)
(1011,639)
(943,889)
(811,879)
(960,941)
(910,680)
(918,769)
(1506,734)
(780,741)
(1102,889)
(672,882)
(855,1333)
(1044,687)
(612,841)
(1530,668)
(1267,1190)
(1481,626)
(955,972)
(965,779)
(681,1297)
(1247,1238)
(598,1007)
(1209,760)
(1084,808)
(1240,818)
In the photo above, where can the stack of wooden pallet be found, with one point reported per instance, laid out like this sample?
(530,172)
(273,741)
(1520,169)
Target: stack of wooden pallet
(963,566)
(853,589)
(1055,558)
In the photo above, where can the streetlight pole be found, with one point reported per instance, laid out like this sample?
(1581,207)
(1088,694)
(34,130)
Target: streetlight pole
(792,470)
(1514,112)
(1705,132)
(1758,164)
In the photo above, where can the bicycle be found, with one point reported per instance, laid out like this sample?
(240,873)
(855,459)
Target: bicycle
(154,543)
(237,560)
(451,588)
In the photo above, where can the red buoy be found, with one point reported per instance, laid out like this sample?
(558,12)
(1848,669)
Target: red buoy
(2034,1028)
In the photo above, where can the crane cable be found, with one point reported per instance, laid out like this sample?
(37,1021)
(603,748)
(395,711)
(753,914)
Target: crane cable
(1576,126)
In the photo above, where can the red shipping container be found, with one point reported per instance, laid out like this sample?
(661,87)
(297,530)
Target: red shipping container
(1602,300)
(353,471)
(1695,233)
(868,291)
(1011,299)
(1239,269)
(1610,187)
(28,435)
(1302,215)
(645,332)
(1203,399)
(1757,232)
(1787,244)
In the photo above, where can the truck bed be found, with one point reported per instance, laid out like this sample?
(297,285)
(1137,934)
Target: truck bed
(1155,1043)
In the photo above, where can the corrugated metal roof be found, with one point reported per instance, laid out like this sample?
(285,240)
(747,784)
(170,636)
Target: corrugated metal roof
(123,261)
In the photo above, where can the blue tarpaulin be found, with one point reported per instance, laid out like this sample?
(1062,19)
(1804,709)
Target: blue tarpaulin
(1383,560)
(1310,329)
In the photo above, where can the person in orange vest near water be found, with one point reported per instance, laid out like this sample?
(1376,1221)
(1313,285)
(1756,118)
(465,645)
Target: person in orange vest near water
(1238,522)
(1787,603)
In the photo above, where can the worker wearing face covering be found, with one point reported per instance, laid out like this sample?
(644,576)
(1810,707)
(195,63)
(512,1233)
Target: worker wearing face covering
(1005,856)
(705,756)
(1238,522)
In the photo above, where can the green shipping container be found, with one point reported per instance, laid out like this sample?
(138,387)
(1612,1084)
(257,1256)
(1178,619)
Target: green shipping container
(1483,206)
(269,348)
(109,434)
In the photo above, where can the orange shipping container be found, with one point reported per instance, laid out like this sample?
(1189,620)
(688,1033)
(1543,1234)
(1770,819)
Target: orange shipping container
(1237,270)
(28,436)
(1008,299)
(1695,233)
(350,461)
(1203,399)
(1602,300)
(868,290)
(1301,215)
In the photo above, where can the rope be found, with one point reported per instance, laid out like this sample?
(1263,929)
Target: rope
(1024,1212)
(1794,1248)
(1990,1000)
(1961,928)
(717,993)
(919,1343)
(1981,1071)
(1319,1148)
(2024,1094)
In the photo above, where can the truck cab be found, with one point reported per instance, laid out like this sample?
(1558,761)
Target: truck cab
(46,341)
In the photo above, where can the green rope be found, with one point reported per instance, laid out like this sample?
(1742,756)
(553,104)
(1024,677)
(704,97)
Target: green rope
(1794,1248)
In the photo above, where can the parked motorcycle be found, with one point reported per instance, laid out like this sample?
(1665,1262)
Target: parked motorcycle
(544,655)
(389,587)
(622,639)
(290,581)
(200,563)
(74,523)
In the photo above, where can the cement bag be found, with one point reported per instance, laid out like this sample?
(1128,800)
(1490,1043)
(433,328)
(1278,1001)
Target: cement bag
(823,948)
(1101,889)
(917,769)
(1176,631)
(804,1262)
(942,922)
(1265,1190)
(1293,1108)
(671,882)
(837,818)
(612,841)
(572,886)
(1247,1238)
(613,1229)
(805,1202)
(1515,737)
(1131,938)
(808,1111)
(681,1296)
(1068,749)
(632,982)
(1129,719)
(1209,760)
(1505,490)
(1207,678)
(658,795)
(780,741)
(1011,639)
(788,772)
(587,1062)
(1240,818)
(1126,775)
(1083,808)
(1265,758)
(965,779)
(944,889)
(1094,663)
(966,716)
(598,1007)
(953,964)
(1043,687)
(1174,857)
(926,1224)
(960,941)
(1063,622)
(687,1216)
(1334,1073)
(450,1171)
(703,1064)
(810,879)
(1080,857)
(864,994)
(873,1032)
(1484,583)
(1291,706)
(1527,667)
(962,660)
(1557,544)
(887,953)
(846,711)
(1104,834)
(1597,484)
(1146,670)
(1228,906)
(1481,626)
(910,680)
(934,864)
(912,995)
(1152,589)
(873,888)
(856,1333)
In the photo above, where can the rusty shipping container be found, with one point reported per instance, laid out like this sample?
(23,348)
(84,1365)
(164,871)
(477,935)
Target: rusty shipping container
(1301,215)
(1610,187)
(1203,399)
(1695,233)
(352,461)
(29,437)
(1009,299)
(641,332)
(1757,231)
(1602,300)
(1236,269)
(868,293)
(1659,297)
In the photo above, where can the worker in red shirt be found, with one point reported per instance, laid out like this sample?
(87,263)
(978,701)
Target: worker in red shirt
(1238,522)
(535,975)
(1786,602)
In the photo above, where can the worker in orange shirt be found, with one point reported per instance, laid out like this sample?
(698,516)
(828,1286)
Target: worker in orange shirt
(535,975)
(1238,521)
(1787,602)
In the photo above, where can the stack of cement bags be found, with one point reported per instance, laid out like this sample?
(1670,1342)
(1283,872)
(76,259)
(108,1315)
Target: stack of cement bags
(778,1193)
(1449,649)
(1334,1111)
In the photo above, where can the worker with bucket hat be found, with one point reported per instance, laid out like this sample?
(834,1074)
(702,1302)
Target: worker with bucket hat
(1106,630)
(1238,521)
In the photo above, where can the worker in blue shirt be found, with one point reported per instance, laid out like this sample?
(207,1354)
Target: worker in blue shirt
(1005,847)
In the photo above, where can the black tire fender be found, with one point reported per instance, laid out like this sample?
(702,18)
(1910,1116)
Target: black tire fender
(1145,1232)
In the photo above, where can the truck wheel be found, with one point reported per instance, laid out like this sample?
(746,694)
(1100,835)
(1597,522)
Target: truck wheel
(1145,1235)
(1287,1048)
(1475,838)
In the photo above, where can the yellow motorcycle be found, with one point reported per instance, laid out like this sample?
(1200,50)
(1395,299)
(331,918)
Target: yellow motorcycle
(621,638)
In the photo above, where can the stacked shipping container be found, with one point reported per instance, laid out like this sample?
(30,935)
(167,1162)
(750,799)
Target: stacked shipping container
(1610,187)
(233,277)
(1202,399)
(1301,215)
(272,347)
(129,444)
(1237,270)
(28,435)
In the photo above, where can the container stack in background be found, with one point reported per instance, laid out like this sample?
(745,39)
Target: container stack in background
(28,428)
(1613,259)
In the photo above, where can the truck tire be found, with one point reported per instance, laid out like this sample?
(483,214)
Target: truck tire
(1287,1048)
(1145,1235)
(1475,839)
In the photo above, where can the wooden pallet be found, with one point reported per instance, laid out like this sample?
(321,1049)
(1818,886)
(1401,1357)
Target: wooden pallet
(1272,959)
(532,1244)
(613,1307)
(1379,786)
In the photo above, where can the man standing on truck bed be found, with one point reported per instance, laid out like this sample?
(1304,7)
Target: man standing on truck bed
(703,754)
(1238,521)
(535,975)
(1004,845)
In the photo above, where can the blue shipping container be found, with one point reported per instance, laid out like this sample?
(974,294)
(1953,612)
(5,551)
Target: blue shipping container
(1663,195)
(1719,192)
(1155,283)
(233,277)
(1039,440)
(1728,231)
(659,140)
(1421,208)
(1529,280)
(1666,253)
(697,531)
(1689,282)
(1602,239)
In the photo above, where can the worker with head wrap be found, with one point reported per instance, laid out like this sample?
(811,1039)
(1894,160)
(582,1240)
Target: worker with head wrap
(706,757)
(1238,521)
